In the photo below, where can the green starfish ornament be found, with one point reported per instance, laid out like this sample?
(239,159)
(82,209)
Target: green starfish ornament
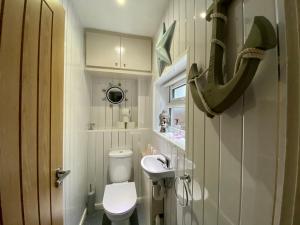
(163,47)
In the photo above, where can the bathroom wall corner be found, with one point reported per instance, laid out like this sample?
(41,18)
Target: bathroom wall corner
(76,117)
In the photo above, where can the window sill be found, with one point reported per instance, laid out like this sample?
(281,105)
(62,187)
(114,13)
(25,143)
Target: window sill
(169,137)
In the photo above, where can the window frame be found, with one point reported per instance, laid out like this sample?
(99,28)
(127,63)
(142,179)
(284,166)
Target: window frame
(177,102)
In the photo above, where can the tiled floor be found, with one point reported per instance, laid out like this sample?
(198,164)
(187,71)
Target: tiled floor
(99,218)
(95,218)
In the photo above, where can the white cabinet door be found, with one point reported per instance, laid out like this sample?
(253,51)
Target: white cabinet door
(102,50)
(136,54)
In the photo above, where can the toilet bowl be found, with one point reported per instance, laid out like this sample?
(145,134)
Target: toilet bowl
(119,202)
(120,197)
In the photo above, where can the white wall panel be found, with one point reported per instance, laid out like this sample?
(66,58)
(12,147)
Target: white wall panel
(260,129)
(182,25)
(106,116)
(98,106)
(98,160)
(76,118)
(106,136)
(122,139)
(176,36)
(234,154)
(174,213)
(231,129)
(198,119)
(171,20)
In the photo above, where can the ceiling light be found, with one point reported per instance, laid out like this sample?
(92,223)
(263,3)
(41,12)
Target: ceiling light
(203,15)
(119,49)
(121,2)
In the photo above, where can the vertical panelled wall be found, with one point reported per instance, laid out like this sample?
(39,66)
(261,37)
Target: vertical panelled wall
(103,114)
(100,143)
(106,116)
(234,154)
(106,136)
(76,118)
(173,211)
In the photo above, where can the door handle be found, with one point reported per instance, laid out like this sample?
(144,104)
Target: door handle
(60,176)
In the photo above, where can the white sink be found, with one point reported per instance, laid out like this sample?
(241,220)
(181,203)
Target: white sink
(155,168)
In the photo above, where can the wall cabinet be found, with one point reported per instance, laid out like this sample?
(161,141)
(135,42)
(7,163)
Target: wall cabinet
(117,51)
(102,49)
(136,54)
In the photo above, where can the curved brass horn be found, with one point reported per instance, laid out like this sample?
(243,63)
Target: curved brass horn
(212,95)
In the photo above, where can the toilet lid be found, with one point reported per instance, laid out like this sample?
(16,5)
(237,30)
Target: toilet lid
(119,197)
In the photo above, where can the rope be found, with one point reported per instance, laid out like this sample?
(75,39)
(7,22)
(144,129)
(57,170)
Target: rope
(205,105)
(218,42)
(219,16)
(247,53)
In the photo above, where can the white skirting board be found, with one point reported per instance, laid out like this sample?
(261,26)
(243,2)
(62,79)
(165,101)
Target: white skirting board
(83,217)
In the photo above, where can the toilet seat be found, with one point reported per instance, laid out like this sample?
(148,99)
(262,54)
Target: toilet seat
(119,198)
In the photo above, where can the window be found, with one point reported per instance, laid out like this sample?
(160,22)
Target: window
(169,94)
(177,93)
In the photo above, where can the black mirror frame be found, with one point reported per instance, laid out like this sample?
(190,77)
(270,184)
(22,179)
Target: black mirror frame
(107,96)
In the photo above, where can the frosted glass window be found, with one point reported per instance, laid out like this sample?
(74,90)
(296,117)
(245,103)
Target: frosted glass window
(179,92)
(177,117)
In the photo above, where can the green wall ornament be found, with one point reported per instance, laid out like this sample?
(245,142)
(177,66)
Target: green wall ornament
(211,93)
(163,48)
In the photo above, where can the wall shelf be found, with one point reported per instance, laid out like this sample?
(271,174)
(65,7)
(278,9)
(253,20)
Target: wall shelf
(114,73)
(117,130)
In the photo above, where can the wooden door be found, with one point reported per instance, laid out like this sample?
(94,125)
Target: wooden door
(31,111)
(102,50)
(136,54)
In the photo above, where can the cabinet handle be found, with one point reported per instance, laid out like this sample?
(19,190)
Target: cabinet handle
(116,64)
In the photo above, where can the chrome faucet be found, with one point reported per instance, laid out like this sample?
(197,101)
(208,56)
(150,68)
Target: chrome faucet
(165,161)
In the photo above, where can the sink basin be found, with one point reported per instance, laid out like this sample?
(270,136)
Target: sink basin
(156,169)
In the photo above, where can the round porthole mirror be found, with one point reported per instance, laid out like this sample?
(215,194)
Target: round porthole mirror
(115,95)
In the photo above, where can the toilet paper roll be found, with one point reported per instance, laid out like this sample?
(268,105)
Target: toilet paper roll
(130,125)
(120,125)
(126,119)
(126,111)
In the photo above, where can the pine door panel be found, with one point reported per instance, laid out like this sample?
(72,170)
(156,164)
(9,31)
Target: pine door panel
(44,114)
(31,79)
(28,113)
(10,171)
(1,16)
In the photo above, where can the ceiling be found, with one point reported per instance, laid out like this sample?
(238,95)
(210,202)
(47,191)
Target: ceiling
(139,17)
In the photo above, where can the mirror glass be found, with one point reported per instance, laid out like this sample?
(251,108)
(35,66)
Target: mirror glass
(115,95)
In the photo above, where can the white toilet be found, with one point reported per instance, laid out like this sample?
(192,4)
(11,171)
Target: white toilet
(120,197)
